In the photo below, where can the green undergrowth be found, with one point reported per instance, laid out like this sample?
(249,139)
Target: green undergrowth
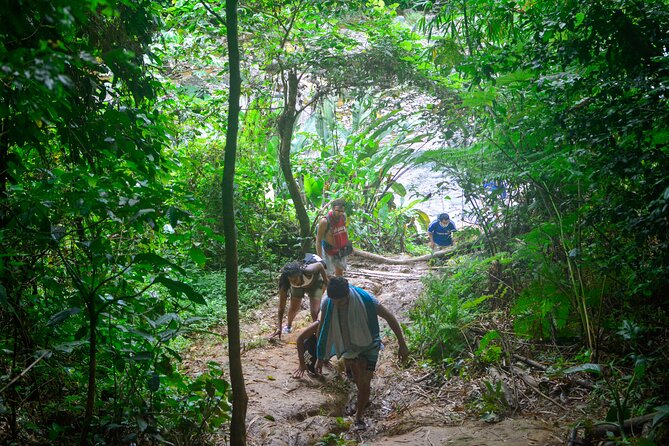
(255,286)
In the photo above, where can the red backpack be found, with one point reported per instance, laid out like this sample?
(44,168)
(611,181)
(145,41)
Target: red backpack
(341,245)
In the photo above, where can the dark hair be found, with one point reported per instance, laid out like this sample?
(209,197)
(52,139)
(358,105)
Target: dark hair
(290,269)
(337,287)
(443,217)
(338,202)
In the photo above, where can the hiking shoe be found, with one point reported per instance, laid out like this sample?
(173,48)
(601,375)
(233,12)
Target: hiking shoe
(287,329)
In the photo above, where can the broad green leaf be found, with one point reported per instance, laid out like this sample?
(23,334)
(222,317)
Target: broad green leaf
(197,254)
(141,356)
(515,77)
(69,347)
(154,259)
(59,317)
(178,287)
(589,367)
(475,99)
(142,334)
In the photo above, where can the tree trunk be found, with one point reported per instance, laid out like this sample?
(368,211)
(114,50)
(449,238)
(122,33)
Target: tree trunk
(92,365)
(239,396)
(286,125)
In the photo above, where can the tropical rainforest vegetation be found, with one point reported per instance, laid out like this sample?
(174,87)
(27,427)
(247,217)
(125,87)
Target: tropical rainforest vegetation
(118,227)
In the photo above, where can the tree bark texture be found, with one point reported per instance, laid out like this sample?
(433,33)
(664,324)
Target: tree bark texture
(239,396)
(286,126)
(378,258)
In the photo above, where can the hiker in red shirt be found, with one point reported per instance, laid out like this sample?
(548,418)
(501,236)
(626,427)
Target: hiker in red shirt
(332,239)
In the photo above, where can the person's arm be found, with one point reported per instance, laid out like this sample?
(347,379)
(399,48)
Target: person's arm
(310,330)
(450,229)
(320,235)
(430,237)
(403,351)
(283,296)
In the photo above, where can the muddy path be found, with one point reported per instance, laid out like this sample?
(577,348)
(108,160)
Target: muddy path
(405,407)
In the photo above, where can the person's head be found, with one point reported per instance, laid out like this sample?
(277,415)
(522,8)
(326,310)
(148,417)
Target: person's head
(443,219)
(338,206)
(292,270)
(338,288)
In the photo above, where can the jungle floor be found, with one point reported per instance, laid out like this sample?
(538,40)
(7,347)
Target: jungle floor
(409,405)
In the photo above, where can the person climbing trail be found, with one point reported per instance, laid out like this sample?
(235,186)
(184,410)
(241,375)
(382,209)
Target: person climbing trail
(297,278)
(349,328)
(332,239)
(440,230)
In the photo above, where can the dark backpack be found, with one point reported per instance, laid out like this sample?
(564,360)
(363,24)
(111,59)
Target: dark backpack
(312,258)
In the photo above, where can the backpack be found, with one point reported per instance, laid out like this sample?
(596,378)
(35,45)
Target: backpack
(312,258)
(342,247)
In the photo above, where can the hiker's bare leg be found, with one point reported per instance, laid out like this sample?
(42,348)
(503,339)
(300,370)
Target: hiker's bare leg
(364,390)
(314,307)
(294,307)
(363,381)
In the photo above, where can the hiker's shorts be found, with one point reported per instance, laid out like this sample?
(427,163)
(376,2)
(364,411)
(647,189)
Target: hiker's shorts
(370,356)
(332,262)
(314,292)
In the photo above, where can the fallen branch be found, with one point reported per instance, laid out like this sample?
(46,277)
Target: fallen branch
(536,390)
(587,384)
(45,354)
(391,275)
(392,261)
(604,430)
(530,362)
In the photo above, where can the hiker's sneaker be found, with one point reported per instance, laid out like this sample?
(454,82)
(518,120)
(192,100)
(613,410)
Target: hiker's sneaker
(287,329)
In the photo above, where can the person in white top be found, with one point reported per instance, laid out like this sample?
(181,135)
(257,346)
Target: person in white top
(298,278)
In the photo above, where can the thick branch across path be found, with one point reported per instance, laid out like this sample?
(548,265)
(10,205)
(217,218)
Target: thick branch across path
(368,255)
(381,274)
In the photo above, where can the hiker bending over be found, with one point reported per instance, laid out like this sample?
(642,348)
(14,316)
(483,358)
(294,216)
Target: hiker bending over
(350,329)
(297,278)
(332,239)
(439,232)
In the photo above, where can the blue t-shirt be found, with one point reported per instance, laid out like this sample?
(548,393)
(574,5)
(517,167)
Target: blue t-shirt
(441,236)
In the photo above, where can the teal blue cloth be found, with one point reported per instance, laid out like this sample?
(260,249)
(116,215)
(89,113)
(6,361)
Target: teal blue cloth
(326,347)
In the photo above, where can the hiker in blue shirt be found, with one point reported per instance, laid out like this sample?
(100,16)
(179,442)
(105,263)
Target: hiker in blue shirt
(439,231)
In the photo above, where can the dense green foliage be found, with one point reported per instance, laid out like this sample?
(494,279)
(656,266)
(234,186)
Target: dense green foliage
(566,113)
(112,127)
(93,288)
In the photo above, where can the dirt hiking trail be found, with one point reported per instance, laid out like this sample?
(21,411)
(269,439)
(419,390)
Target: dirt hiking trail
(406,406)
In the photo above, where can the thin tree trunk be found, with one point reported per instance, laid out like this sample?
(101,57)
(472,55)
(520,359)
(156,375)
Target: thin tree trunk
(239,396)
(92,365)
(286,126)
